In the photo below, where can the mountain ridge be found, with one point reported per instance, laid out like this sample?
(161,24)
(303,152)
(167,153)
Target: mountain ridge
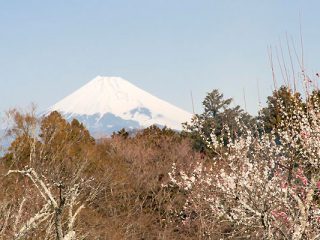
(107,104)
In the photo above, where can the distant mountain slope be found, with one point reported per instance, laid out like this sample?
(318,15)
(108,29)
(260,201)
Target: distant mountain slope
(107,104)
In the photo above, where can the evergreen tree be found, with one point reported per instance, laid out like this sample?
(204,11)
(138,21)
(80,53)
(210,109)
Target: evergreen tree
(121,133)
(218,112)
(272,116)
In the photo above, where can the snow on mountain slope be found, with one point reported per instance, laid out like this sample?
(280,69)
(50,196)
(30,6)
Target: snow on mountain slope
(107,104)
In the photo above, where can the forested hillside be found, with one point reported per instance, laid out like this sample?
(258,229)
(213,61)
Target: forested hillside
(228,175)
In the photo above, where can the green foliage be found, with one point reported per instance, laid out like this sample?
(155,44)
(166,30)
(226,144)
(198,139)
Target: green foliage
(154,133)
(214,103)
(121,133)
(217,113)
(272,116)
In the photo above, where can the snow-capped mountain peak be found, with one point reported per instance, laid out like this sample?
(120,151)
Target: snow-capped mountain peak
(106,104)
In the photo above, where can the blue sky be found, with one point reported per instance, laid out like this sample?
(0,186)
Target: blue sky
(48,49)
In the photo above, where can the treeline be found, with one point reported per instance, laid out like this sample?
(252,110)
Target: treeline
(227,175)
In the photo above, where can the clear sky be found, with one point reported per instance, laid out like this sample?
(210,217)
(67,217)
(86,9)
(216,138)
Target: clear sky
(48,49)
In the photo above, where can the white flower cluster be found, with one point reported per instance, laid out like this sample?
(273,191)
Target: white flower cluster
(264,184)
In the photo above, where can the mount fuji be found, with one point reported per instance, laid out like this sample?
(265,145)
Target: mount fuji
(107,104)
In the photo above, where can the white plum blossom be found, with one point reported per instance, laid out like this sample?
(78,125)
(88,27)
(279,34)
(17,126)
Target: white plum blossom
(263,184)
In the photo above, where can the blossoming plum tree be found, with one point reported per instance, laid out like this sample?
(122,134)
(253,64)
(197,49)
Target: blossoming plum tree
(260,184)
